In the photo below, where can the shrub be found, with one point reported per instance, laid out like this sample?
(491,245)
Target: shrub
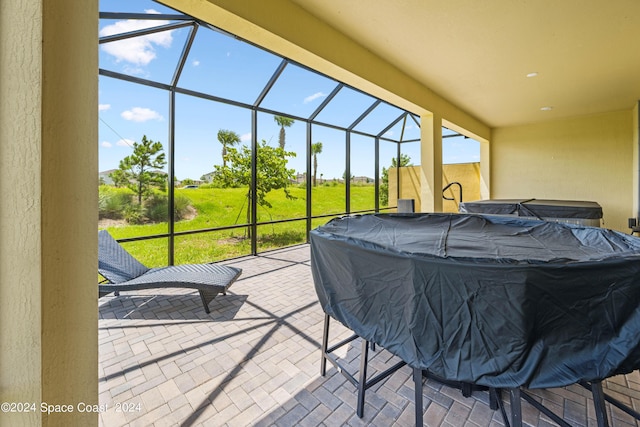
(181,205)
(113,202)
(155,207)
(134,214)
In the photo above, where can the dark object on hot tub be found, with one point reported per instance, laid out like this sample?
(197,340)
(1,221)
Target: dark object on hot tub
(570,211)
(406,206)
(493,301)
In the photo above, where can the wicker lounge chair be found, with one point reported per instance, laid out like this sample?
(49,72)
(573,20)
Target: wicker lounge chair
(124,273)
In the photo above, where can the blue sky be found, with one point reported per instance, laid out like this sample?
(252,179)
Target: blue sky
(228,68)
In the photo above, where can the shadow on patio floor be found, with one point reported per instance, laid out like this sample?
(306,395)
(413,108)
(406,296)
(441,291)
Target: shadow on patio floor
(255,360)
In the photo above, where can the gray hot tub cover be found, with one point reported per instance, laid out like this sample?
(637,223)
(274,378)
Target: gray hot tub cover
(535,208)
(493,301)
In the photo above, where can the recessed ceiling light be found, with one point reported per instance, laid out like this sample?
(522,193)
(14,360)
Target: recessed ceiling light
(546,108)
(534,74)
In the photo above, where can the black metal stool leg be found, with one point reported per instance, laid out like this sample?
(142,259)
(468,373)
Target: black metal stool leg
(362,382)
(598,402)
(325,346)
(466,389)
(495,394)
(516,407)
(417,380)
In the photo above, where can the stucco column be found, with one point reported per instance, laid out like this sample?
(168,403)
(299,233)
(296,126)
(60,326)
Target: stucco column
(636,161)
(485,170)
(431,163)
(48,213)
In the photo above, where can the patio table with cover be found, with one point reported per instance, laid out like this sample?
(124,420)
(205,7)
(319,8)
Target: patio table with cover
(493,301)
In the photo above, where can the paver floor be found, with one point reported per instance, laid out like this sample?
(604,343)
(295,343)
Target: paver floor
(255,361)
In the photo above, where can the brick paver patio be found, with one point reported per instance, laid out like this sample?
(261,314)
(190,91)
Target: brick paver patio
(255,361)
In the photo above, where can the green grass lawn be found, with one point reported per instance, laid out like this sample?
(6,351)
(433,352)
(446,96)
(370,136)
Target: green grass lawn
(216,207)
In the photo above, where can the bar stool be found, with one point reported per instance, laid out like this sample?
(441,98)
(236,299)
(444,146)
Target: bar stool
(361,383)
(599,399)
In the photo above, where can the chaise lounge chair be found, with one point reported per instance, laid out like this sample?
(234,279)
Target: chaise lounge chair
(124,273)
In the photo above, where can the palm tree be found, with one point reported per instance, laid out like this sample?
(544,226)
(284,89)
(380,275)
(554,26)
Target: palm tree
(227,138)
(283,122)
(315,150)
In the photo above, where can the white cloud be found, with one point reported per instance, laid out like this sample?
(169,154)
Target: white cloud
(195,63)
(245,137)
(106,144)
(125,143)
(104,107)
(388,134)
(135,71)
(313,97)
(139,114)
(136,50)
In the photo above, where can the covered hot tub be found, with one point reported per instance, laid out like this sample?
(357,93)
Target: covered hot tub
(566,211)
(495,301)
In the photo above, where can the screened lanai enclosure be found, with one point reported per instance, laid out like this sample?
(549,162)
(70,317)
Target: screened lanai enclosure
(249,149)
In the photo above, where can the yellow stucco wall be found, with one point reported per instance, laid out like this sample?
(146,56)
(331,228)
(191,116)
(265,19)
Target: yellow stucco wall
(48,214)
(20,159)
(467,174)
(409,185)
(584,158)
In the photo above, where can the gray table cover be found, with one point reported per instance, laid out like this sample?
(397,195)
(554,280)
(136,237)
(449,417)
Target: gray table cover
(494,301)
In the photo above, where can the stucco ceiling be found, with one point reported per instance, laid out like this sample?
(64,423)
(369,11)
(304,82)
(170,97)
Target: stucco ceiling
(477,54)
